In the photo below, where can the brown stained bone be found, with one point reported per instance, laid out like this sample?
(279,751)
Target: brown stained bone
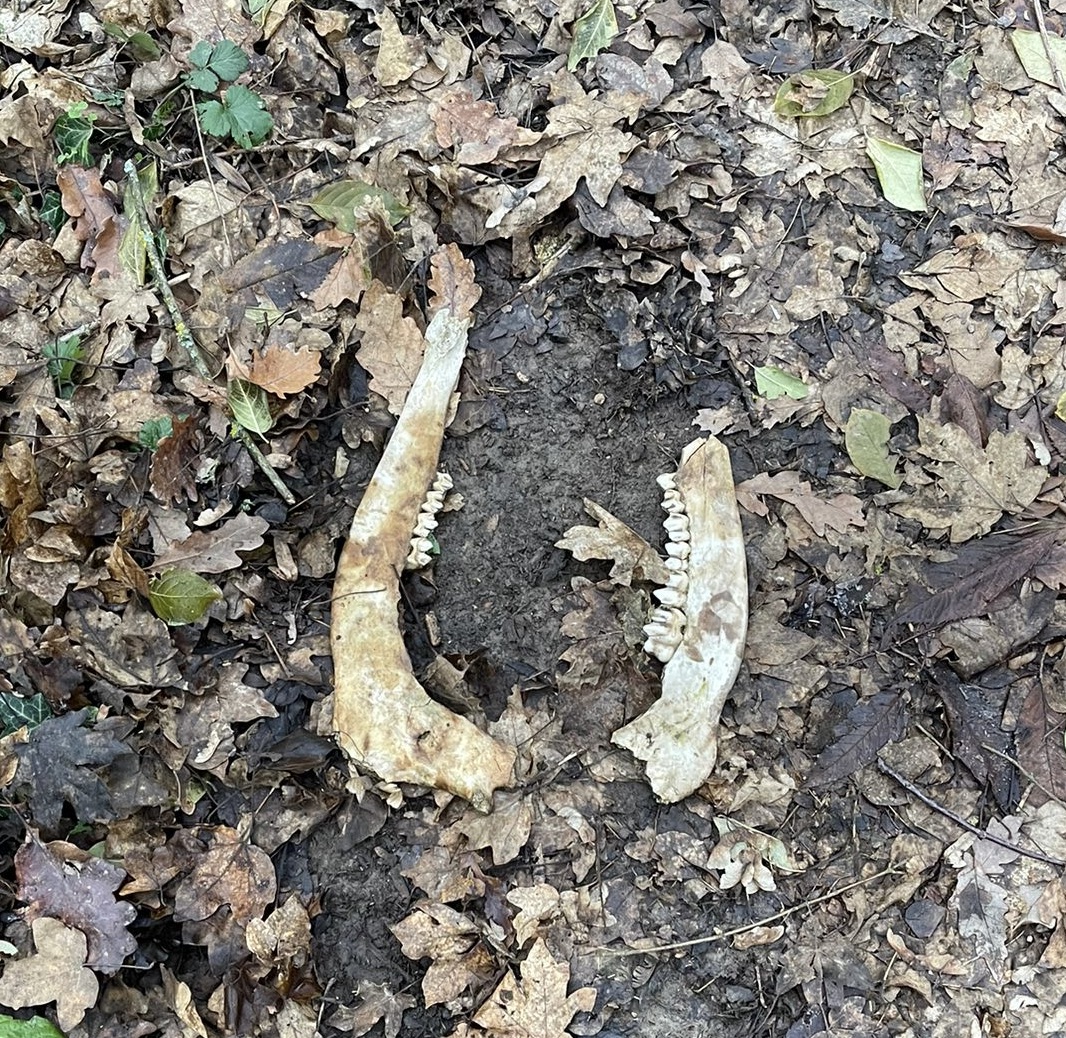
(677,736)
(382,716)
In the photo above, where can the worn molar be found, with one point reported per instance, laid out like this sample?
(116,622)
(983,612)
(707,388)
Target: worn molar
(420,553)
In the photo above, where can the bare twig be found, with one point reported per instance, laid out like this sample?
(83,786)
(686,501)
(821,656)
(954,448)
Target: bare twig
(961,822)
(1056,71)
(725,935)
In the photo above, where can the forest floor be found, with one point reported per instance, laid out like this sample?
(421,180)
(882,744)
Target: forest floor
(827,234)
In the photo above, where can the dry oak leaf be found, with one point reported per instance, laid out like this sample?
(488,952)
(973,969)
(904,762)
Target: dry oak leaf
(537,1005)
(284,370)
(215,551)
(348,277)
(505,830)
(475,128)
(392,346)
(95,217)
(974,487)
(838,512)
(54,973)
(452,283)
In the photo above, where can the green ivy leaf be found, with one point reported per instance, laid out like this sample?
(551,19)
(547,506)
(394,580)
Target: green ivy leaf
(593,31)
(344,204)
(866,441)
(15,711)
(771,382)
(250,406)
(181,597)
(250,124)
(228,61)
(899,171)
(814,92)
(52,214)
(72,132)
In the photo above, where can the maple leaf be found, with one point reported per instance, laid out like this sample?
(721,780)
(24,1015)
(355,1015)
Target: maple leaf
(506,830)
(537,1005)
(974,486)
(838,512)
(54,973)
(378,1003)
(231,874)
(56,766)
(62,881)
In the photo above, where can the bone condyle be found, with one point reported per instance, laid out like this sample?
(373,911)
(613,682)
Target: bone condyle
(699,628)
(382,716)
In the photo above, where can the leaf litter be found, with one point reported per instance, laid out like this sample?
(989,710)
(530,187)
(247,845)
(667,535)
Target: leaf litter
(835,254)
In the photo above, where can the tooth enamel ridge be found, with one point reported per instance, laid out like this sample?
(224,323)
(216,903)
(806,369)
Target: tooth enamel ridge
(666,629)
(421,544)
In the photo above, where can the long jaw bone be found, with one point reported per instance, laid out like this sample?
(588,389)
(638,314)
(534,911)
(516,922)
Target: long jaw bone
(699,629)
(382,716)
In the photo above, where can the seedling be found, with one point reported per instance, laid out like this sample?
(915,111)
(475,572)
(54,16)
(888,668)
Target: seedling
(239,113)
(63,356)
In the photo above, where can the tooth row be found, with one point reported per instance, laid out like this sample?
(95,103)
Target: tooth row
(421,543)
(667,625)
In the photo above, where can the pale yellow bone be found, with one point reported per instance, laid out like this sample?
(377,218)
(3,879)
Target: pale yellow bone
(382,716)
(677,736)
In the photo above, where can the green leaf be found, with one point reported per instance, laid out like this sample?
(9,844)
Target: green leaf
(899,171)
(250,406)
(345,203)
(63,357)
(200,55)
(1034,58)
(52,214)
(771,382)
(593,31)
(143,47)
(866,441)
(35,1027)
(228,61)
(1060,408)
(181,597)
(250,124)
(72,132)
(155,430)
(202,79)
(16,711)
(214,118)
(814,92)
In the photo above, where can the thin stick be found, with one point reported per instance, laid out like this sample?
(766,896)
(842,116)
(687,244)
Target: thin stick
(725,935)
(1038,10)
(181,329)
(961,822)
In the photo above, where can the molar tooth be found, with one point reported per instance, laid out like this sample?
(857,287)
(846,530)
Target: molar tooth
(678,580)
(667,481)
(677,527)
(670,596)
(675,565)
(678,549)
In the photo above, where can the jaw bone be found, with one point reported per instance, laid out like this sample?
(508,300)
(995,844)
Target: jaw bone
(700,627)
(382,716)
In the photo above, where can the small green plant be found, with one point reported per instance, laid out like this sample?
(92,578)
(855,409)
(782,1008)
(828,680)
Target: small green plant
(73,131)
(63,356)
(154,431)
(239,113)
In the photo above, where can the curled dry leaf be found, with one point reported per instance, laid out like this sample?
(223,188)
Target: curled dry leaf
(704,614)
(382,716)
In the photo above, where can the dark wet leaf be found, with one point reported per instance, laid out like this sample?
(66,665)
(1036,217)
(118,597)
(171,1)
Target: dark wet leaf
(58,765)
(1041,752)
(872,724)
(60,880)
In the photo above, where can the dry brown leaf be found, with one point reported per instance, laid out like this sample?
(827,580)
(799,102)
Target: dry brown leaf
(378,1003)
(399,57)
(452,283)
(215,551)
(231,874)
(96,219)
(284,370)
(348,277)
(475,127)
(536,1005)
(974,488)
(54,973)
(506,830)
(633,557)
(838,512)
(392,346)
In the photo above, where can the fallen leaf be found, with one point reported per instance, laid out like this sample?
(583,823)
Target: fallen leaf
(535,1005)
(378,1002)
(633,557)
(284,369)
(215,551)
(54,973)
(506,830)
(391,348)
(593,31)
(899,171)
(838,513)
(866,441)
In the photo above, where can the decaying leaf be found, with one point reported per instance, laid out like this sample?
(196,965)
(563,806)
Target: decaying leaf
(837,513)
(899,171)
(215,551)
(633,557)
(284,370)
(677,736)
(866,441)
(392,347)
(383,718)
(54,973)
(535,1005)
(814,92)
(593,31)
